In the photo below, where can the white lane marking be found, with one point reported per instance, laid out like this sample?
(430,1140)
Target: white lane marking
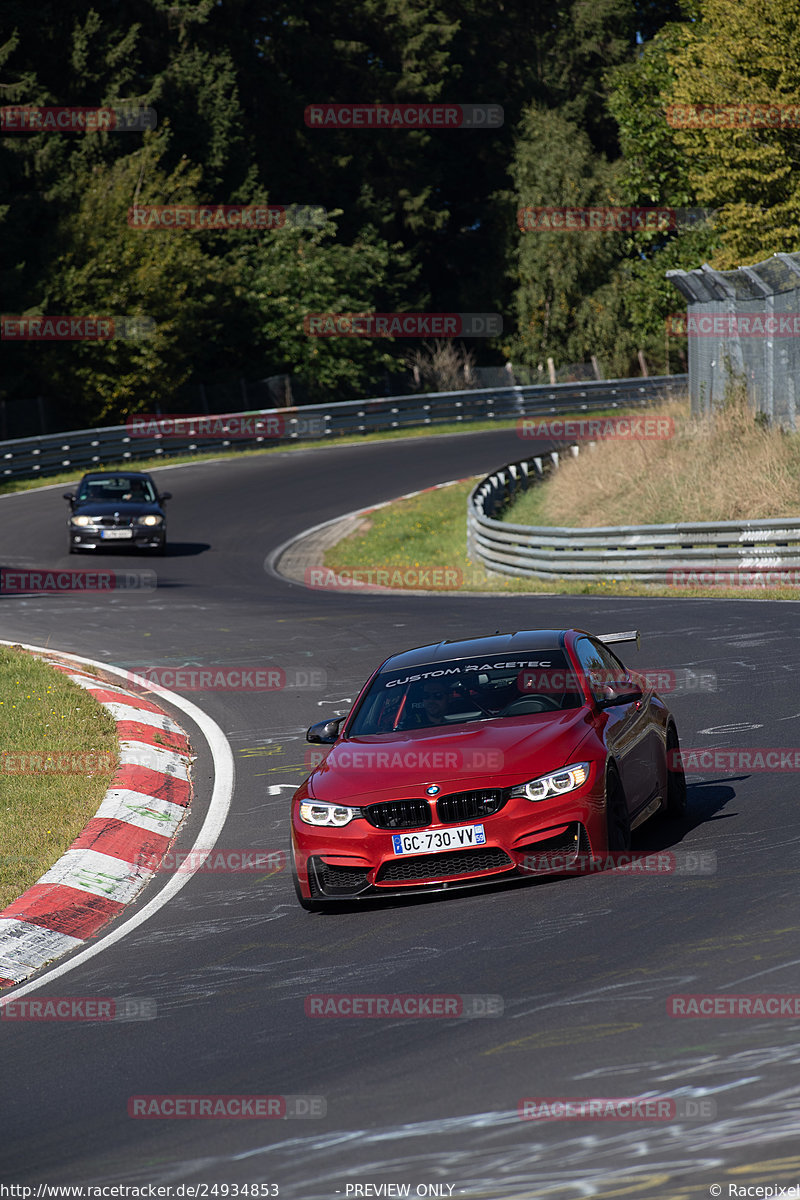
(760,974)
(218,809)
(741,727)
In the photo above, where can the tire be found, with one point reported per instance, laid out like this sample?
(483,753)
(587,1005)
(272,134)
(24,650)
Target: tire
(675,806)
(618,820)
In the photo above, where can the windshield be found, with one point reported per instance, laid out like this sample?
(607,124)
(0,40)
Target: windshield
(461,690)
(118,487)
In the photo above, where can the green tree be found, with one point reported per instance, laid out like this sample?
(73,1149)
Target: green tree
(294,273)
(654,171)
(105,266)
(559,272)
(743,55)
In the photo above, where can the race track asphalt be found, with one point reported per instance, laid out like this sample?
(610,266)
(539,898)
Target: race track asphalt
(584,966)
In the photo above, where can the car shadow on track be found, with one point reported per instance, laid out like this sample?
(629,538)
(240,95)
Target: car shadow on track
(705,801)
(112,553)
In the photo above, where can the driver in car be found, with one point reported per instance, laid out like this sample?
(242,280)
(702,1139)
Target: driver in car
(436,701)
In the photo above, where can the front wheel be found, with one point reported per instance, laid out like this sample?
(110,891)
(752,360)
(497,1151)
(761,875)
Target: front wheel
(618,820)
(675,807)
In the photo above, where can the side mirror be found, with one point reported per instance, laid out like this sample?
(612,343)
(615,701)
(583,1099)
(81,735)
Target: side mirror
(622,691)
(69,496)
(165,496)
(324,733)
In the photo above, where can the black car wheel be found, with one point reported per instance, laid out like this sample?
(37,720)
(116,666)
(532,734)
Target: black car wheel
(618,821)
(675,807)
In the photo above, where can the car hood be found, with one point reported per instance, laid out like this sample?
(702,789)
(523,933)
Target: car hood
(502,752)
(125,508)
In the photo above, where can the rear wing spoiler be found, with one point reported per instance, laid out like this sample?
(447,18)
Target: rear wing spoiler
(609,639)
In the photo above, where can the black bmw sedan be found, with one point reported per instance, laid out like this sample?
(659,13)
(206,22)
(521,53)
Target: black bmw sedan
(117,508)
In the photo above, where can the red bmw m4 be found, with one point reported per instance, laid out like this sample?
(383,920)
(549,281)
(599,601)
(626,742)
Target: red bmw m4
(467,762)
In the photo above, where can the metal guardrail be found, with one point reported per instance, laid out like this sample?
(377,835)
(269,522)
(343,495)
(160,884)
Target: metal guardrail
(674,554)
(93,448)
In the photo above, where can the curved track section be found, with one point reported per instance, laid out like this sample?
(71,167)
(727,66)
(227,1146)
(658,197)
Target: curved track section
(584,966)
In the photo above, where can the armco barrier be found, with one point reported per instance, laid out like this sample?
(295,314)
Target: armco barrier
(649,553)
(92,448)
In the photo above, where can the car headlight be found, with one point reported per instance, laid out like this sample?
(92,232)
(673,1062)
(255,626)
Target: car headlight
(81,521)
(149,520)
(314,813)
(554,784)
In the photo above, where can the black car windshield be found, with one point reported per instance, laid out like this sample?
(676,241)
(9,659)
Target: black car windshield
(468,689)
(118,487)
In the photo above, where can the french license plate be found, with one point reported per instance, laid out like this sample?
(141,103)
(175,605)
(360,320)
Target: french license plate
(435,841)
(116,533)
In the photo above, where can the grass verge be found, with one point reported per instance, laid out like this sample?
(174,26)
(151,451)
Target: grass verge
(726,467)
(429,531)
(47,724)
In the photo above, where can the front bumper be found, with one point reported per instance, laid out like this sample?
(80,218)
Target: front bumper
(357,861)
(142,537)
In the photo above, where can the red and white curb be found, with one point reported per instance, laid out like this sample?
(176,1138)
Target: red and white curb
(136,823)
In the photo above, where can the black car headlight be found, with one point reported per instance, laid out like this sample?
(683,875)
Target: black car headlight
(150,519)
(81,521)
(557,783)
(313,812)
